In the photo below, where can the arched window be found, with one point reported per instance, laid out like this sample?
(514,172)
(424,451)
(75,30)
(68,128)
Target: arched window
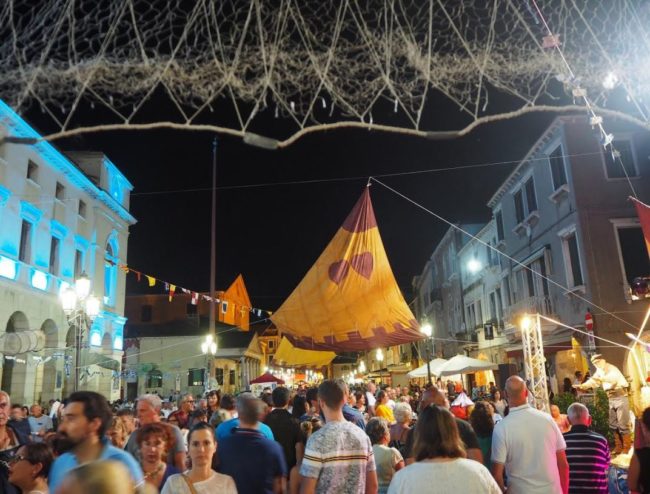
(110,272)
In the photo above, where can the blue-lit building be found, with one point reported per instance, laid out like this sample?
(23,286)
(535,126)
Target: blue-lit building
(60,216)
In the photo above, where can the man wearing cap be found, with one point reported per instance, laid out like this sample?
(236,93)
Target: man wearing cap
(615,385)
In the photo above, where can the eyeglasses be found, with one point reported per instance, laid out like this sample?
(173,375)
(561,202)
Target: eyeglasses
(16,459)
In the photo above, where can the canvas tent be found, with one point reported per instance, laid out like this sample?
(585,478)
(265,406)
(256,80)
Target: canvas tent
(461,364)
(289,356)
(434,365)
(349,299)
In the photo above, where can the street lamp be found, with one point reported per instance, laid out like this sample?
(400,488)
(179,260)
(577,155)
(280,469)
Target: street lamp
(380,359)
(81,309)
(208,347)
(474,265)
(427,330)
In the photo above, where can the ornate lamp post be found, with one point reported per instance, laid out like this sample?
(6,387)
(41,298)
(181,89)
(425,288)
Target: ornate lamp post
(80,308)
(427,331)
(380,359)
(208,348)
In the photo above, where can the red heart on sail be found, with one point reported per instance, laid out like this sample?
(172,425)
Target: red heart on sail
(363,264)
(338,271)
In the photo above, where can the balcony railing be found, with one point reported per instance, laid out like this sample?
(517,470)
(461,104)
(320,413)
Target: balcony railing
(530,305)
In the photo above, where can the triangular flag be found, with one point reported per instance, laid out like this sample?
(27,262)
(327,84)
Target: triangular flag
(172,289)
(185,290)
(166,286)
(151,280)
(138,275)
(195,298)
(643,211)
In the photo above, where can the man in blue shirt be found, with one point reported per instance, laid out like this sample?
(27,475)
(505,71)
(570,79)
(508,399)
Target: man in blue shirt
(225,428)
(85,420)
(256,463)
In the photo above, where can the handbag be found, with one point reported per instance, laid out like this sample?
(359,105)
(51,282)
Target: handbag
(189,484)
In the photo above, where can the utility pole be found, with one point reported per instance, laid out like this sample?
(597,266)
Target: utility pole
(213,254)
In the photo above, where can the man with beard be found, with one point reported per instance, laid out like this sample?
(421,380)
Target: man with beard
(85,420)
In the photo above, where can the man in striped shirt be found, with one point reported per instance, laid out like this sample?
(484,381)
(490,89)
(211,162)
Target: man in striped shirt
(587,453)
(338,458)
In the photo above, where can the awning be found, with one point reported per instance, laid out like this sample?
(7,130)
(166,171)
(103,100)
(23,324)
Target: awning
(289,356)
(434,365)
(461,364)
(267,377)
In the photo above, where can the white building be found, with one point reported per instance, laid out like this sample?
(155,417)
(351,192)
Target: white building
(483,286)
(59,218)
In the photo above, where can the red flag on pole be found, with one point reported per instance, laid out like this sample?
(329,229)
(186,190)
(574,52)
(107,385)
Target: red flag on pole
(643,211)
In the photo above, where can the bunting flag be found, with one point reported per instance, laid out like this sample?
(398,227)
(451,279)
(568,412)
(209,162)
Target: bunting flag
(349,299)
(643,211)
(237,303)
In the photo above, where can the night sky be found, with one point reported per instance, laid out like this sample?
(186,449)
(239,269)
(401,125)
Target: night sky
(272,234)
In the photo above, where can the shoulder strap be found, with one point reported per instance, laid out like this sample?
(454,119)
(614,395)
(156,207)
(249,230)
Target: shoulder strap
(189,483)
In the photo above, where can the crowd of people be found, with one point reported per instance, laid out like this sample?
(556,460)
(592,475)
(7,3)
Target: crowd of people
(325,439)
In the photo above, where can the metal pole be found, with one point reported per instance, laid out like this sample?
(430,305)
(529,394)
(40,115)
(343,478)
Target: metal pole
(77,364)
(213,254)
(428,362)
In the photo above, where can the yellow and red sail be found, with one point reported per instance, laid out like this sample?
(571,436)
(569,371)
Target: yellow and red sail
(349,299)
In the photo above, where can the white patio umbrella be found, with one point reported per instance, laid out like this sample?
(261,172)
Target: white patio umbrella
(421,371)
(461,364)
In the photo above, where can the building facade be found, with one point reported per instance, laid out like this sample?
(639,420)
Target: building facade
(60,216)
(439,296)
(564,240)
(163,349)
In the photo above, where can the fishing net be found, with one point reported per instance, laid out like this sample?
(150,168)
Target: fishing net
(232,65)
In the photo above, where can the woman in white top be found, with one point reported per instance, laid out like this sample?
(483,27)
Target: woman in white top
(200,478)
(29,468)
(500,404)
(440,461)
(387,460)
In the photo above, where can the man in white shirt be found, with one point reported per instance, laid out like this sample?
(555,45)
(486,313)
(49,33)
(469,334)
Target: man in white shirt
(615,385)
(529,447)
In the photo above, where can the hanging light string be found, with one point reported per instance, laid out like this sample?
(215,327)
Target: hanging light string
(512,259)
(607,140)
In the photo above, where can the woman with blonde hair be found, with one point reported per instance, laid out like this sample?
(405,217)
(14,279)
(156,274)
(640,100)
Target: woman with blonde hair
(98,477)
(399,430)
(118,432)
(440,460)
(382,409)
(200,478)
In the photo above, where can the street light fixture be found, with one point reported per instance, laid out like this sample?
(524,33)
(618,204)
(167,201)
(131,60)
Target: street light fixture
(208,348)
(427,330)
(81,309)
(474,266)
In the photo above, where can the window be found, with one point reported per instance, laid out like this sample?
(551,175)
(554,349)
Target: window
(78,263)
(195,377)
(25,252)
(82,209)
(218,373)
(59,193)
(613,166)
(531,198)
(32,171)
(558,172)
(634,256)
(190,309)
(271,344)
(519,206)
(110,271)
(231,377)
(572,260)
(498,216)
(154,379)
(146,313)
(54,256)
